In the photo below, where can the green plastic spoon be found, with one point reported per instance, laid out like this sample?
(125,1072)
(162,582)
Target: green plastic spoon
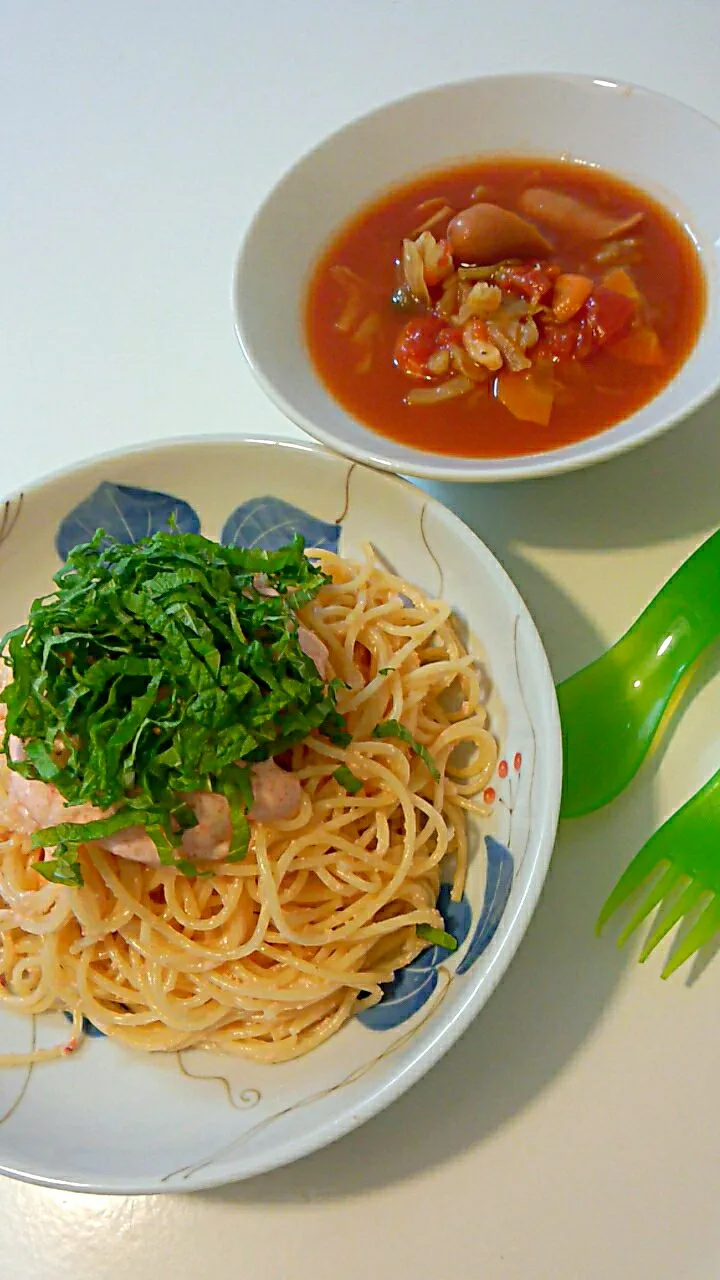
(611,709)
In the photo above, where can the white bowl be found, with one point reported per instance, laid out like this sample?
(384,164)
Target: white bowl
(654,141)
(109,1119)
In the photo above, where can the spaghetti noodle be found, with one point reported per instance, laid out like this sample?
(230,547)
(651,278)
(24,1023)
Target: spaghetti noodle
(269,956)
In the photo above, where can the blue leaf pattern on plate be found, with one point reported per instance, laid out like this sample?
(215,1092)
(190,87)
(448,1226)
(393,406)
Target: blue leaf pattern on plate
(500,869)
(414,984)
(270,523)
(126,513)
(89,1028)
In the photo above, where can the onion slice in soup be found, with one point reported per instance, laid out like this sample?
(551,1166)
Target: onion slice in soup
(571,216)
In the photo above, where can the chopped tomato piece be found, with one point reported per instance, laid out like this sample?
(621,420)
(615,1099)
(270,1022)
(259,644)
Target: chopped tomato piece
(573,340)
(527,395)
(416,342)
(609,314)
(532,280)
(450,336)
(438,265)
(640,346)
(584,344)
(560,340)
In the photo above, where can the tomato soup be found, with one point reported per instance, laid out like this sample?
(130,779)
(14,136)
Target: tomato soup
(504,307)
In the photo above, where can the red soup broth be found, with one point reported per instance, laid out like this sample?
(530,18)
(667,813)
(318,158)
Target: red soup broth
(636,297)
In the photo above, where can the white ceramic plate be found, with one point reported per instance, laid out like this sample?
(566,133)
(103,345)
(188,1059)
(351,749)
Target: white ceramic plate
(111,1120)
(654,141)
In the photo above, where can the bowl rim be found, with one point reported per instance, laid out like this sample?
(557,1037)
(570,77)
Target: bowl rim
(487,979)
(589,451)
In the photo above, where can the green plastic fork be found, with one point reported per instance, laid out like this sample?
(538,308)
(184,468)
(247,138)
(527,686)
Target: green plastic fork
(679,867)
(610,712)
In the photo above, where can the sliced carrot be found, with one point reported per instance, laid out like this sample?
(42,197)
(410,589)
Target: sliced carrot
(570,294)
(620,281)
(640,346)
(527,396)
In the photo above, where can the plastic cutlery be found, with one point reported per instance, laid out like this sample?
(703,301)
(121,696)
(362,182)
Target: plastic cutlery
(611,709)
(680,867)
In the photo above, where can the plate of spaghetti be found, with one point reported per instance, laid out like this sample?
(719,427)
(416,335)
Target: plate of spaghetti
(279,782)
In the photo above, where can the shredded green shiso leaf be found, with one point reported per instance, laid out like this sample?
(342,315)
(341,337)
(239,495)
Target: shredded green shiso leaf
(393,729)
(436,937)
(157,668)
(348,780)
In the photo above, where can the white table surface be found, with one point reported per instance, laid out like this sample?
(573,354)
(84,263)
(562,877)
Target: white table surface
(573,1133)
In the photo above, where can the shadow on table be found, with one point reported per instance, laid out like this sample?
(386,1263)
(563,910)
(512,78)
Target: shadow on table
(559,984)
(544,1010)
(666,489)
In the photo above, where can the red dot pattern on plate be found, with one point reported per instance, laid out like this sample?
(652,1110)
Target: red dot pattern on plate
(502,769)
(517,762)
(489,795)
